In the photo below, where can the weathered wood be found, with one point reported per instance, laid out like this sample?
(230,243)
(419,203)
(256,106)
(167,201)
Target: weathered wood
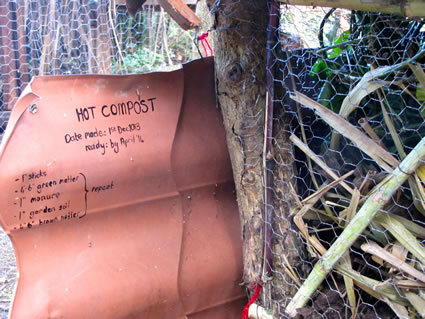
(240,58)
(239,33)
(181,13)
(407,8)
(177,9)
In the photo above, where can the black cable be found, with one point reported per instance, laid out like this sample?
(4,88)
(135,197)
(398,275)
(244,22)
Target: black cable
(322,25)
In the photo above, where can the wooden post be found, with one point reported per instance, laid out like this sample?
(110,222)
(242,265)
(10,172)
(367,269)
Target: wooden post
(240,58)
(239,34)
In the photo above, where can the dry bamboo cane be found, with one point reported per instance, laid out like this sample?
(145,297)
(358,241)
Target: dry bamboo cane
(354,229)
(407,8)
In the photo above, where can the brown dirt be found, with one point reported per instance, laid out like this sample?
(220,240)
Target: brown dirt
(327,305)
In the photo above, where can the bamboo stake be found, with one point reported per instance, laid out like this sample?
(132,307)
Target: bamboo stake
(407,8)
(354,229)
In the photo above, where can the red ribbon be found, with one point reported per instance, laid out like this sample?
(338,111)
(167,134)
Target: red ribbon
(251,301)
(203,38)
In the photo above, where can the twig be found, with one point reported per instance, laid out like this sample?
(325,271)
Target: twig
(338,123)
(354,229)
(311,200)
(322,25)
(303,134)
(164,38)
(369,131)
(343,44)
(157,39)
(325,188)
(366,182)
(309,153)
(374,249)
(403,235)
(417,302)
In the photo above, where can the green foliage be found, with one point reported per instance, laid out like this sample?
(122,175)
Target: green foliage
(335,52)
(420,94)
(320,66)
(324,69)
(151,42)
(141,61)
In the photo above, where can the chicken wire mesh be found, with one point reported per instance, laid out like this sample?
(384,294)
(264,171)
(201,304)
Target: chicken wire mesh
(366,68)
(85,37)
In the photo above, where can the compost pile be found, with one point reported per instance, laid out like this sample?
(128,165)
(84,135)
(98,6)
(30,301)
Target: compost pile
(353,133)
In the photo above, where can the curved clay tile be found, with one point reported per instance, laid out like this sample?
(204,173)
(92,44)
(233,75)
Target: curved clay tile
(117,193)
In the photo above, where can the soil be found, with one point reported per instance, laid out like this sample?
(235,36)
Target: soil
(329,305)
(7,274)
(326,305)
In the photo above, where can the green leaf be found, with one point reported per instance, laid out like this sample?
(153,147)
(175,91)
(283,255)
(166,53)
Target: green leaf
(318,67)
(335,52)
(420,94)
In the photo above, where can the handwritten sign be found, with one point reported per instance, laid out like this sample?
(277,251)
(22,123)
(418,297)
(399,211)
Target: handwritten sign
(78,155)
(112,188)
(38,202)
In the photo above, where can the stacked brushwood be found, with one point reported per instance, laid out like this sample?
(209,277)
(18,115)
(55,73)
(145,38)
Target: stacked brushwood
(376,210)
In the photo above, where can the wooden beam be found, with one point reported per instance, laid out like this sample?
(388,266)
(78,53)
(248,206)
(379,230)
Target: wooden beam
(181,13)
(407,8)
(177,9)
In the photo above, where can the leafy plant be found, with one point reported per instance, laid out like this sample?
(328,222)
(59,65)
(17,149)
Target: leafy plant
(151,42)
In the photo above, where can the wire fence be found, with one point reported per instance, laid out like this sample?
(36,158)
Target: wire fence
(368,69)
(85,37)
(365,67)
(62,37)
